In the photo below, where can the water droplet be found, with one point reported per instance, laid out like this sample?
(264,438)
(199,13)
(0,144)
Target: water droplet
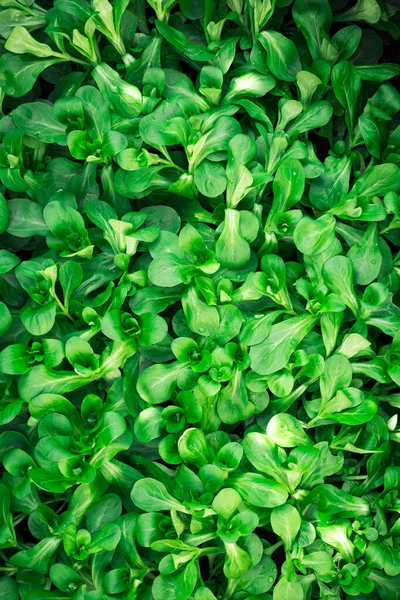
(294,173)
(373,262)
(270,579)
(201,329)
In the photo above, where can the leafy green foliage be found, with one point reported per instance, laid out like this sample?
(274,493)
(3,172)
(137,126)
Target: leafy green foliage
(199,300)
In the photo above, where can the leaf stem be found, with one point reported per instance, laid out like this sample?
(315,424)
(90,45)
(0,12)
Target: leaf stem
(269,551)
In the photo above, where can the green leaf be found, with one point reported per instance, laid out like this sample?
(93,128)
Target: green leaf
(7,533)
(314,19)
(4,214)
(364,10)
(374,133)
(338,275)
(288,185)
(8,589)
(5,319)
(274,353)
(26,218)
(259,579)
(259,490)
(387,586)
(287,431)
(232,250)
(346,84)
(377,180)
(282,57)
(157,383)
(330,188)
(38,557)
(285,522)
(51,480)
(38,120)
(20,41)
(315,116)
(237,561)
(18,74)
(151,495)
(210,179)
(121,96)
(312,237)
(286,590)
(366,256)
(249,85)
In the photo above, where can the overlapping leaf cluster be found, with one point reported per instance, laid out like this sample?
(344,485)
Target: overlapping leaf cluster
(199,272)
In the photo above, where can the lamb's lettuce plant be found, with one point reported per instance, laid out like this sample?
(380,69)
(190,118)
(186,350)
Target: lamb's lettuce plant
(199,313)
